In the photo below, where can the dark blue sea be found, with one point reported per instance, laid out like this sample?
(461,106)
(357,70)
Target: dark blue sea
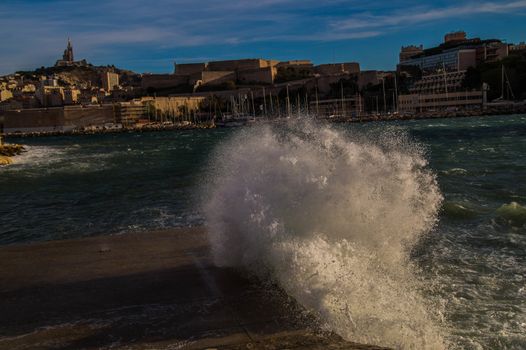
(67,187)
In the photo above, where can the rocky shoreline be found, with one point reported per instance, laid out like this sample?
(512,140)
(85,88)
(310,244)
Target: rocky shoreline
(9,151)
(146,128)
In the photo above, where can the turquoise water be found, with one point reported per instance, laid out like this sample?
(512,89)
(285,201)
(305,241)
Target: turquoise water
(68,187)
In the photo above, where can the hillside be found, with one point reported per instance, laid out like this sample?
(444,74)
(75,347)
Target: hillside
(79,76)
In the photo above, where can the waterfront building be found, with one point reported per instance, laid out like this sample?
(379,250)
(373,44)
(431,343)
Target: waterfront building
(450,101)
(451,60)
(440,91)
(129,113)
(456,53)
(172,108)
(109,81)
(439,82)
(338,107)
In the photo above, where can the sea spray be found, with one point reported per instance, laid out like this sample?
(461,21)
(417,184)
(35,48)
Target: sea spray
(331,217)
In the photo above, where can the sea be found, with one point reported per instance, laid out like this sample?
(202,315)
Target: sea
(409,234)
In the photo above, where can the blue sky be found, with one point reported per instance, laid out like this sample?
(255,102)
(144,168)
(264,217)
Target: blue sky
(147,36)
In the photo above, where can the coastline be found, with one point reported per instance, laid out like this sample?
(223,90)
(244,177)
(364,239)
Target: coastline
(155,289)
(359,119)
(7,151)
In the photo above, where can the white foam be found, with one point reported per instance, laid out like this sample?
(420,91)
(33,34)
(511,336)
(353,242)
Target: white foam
(331,218)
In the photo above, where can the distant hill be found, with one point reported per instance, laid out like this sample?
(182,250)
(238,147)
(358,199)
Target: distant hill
(74,75)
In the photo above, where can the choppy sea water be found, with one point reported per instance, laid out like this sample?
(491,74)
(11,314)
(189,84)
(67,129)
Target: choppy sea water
(472,262)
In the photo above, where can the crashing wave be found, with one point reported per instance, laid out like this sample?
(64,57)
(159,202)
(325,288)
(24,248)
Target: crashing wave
(331,217)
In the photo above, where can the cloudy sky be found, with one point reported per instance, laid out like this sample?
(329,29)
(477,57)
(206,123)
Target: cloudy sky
(147,36)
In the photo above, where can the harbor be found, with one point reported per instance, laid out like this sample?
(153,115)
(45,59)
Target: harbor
(262,175)
(66,188)
(301,111)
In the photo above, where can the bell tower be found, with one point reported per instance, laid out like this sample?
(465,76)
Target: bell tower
(68,53)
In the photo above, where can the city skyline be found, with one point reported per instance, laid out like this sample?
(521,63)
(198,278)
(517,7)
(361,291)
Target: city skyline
(146,38)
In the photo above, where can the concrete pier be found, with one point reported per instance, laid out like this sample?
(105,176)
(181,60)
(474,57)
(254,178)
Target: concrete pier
(153,290)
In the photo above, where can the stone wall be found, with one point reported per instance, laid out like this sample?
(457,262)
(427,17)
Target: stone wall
(81,116)
(234,65)
(368,77)
(190,68)
(262,75)
(57,119)
(162,81)
(34,120)
(175,106)
(217,77)
(325,82)
(351,67)
(337,68)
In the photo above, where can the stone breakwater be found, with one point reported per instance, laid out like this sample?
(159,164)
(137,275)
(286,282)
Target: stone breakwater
(145,128)
(8,151)
(154,290)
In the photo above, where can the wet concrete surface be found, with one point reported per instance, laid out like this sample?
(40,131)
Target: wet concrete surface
(152,290)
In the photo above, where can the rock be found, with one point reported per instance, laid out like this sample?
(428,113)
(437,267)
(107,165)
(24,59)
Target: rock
(11,150)
(5,160)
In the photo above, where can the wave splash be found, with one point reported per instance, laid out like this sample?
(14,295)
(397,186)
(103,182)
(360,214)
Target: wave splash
(331,217)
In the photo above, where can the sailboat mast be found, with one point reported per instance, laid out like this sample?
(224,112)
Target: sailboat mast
(341,92)
(288,102)
(502,82)
(264,102)
(396,92)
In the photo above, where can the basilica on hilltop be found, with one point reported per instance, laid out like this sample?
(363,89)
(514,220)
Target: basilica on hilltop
(68,59)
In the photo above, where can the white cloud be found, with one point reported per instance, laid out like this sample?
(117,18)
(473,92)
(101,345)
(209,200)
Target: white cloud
(34,33)
(420,15)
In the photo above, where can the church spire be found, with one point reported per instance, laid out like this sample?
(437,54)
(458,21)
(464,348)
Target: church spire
(68,53)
